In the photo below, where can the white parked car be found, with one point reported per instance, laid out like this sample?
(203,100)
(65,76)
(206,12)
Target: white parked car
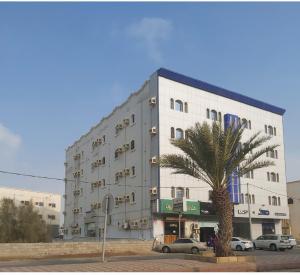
(273,242)
(241,244)
(293,241)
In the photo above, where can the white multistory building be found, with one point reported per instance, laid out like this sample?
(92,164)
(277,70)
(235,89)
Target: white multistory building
(47,204)
(118,157)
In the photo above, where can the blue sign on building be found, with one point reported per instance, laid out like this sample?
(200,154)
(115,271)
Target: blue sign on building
(234,180)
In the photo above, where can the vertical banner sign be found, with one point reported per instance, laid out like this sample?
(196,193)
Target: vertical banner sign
(234,181)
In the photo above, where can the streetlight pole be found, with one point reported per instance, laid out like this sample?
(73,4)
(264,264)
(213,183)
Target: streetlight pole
(105,225)
(249,211)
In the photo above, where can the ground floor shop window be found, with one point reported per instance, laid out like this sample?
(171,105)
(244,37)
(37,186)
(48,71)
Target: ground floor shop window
(268,228)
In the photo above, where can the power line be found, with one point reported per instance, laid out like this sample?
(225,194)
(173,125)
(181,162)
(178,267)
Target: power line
(128,185)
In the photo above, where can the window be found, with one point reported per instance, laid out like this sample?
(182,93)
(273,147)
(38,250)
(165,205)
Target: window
(270,130)
(185,107)
(132,145)
(252,174)
(242,198)
(53,205)
(103,160)
(247,198)
(268,174)
(245,123)
(214,115)
(179,133)
(207,113)
(249,124)
(273,177)
(133,197)
(41,204)
(132,118)
(278,200)
(116,177)
(277,177)
(173,192)
(172,103)
(179,105)
(220,116)
(179,192)
(51,217)
(116,154)
(274,200)
(103,139)
(210,195)
(270,200)
(187,193)
(290,201)
(172,132)
(276,154)
(266,129)
(133,170)
(253,199)
(274,130)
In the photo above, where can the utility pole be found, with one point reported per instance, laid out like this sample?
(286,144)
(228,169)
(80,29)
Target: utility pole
(105,225)
(249,211)
(179,229)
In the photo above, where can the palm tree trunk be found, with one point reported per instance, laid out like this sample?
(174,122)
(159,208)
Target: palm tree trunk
(223,205)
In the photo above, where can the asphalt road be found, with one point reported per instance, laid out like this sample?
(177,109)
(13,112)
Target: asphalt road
(294,251)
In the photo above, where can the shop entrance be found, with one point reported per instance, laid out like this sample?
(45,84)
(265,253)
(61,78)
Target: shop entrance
(171,231)
(268,228)
(205,233)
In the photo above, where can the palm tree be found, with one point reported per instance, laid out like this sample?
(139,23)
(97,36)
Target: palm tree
(212,155)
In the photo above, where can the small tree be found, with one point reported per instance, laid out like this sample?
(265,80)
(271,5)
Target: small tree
(21,224)
(8,221)
(212,155)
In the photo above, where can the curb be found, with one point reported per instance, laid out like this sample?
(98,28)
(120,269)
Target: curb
(278,267)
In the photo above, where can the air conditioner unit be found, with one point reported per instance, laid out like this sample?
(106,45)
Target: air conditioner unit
(98,162)
(144,221)
(126,121)
(196,226)
(126,171)
(119,150)
(119,199)
(152,131)
(134,224)
(125,225)
(126,197)
(153,191)
(153,160)
(126,147)
(119,126)
(98,141)
(152,101)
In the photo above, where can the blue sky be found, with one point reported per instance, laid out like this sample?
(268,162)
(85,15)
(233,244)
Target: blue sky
(63,66)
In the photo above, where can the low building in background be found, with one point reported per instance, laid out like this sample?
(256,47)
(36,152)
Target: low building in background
(47,204)
(293,191)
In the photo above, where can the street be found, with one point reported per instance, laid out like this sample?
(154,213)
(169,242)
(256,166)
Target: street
(266,261)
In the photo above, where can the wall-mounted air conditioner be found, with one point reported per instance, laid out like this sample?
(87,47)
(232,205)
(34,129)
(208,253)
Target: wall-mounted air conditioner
(126,121)
(153,191)
(153,160)
(152,101)
(126,147)
(126,172)
(152,131)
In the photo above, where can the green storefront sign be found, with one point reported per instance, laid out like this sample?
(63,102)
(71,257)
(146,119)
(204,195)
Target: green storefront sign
(166,206)
(192,207)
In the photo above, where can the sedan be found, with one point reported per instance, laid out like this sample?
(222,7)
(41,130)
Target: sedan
(241,244)
(182,246)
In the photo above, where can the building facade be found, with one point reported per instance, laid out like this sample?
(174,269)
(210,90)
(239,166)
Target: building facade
(47,204)
(119,157)
(293,224)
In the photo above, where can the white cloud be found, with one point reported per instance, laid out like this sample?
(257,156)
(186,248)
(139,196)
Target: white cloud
(9,142)
(151,32)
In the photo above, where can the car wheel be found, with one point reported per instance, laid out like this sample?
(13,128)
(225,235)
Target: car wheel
(238,248)
(166,249)
(195,250)
(291,247)
(273,247)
